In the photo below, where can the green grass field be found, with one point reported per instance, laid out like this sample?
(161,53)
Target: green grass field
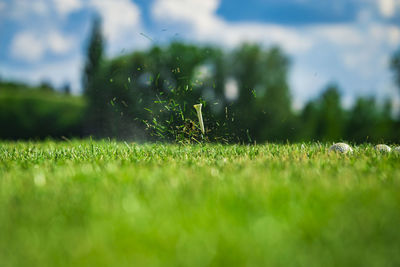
(84,203)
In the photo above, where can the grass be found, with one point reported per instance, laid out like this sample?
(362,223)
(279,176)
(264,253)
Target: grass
(105,203)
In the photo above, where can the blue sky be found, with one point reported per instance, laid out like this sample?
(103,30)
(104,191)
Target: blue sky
(344,41)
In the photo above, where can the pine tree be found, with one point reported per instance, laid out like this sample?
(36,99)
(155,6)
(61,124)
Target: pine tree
(95,113)
(94,56)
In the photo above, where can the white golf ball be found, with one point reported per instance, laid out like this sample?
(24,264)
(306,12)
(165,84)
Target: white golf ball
(341,147)
(383,148)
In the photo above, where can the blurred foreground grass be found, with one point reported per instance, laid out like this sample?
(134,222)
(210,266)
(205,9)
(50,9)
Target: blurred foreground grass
(116,204)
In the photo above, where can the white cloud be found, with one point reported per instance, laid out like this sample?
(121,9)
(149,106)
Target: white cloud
(22,9)
(64,7)
(120,17)
(267,34)
(308,82)
(27,47)
(58,43)
(202,24)
(387,7)
(121,22)
(394,36)
(31,47)
(337,34)
(25,9)
(377,40)
(198,13)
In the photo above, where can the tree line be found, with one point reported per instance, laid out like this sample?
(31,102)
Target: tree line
(149,96)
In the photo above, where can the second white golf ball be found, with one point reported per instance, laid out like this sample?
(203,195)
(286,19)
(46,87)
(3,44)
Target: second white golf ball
(341,148)
(383,148)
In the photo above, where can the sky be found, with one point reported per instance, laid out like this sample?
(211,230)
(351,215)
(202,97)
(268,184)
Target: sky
(347,42)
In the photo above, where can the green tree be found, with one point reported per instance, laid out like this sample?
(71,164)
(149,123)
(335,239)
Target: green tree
(66,89)
(332,121)
(368,122)
(308,121)
(94,56)
(386,130)
(91,77)
(262,110)
(395,66)
(275,101)
(46,86)
(363,121)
